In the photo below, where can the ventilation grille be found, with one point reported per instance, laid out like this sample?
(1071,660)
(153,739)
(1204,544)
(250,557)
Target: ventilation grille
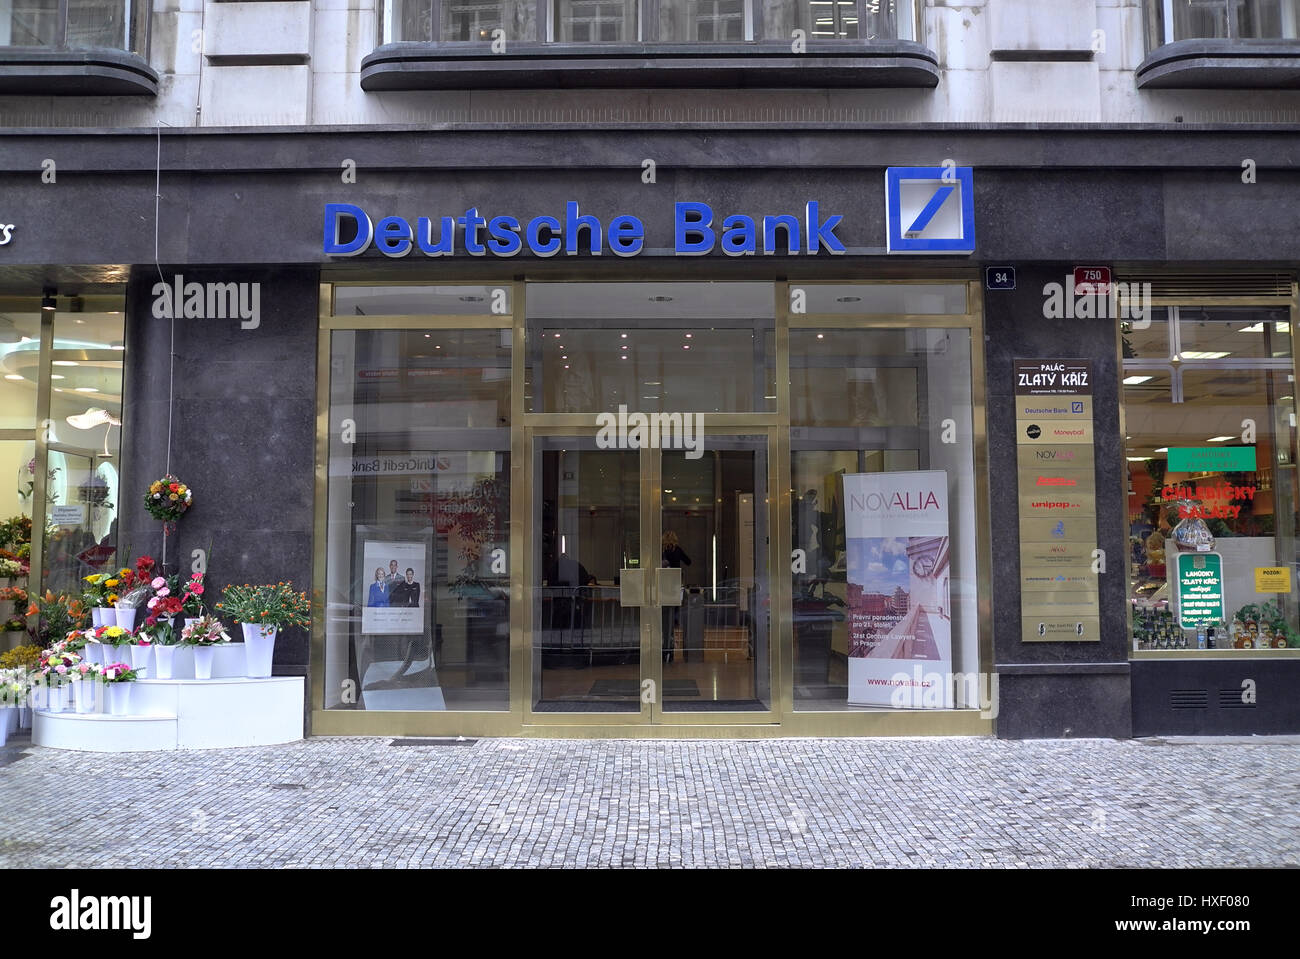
(1231,699)
(1213,284)
(1189,698)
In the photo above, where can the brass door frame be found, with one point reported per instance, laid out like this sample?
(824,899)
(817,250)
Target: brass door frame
(650,510)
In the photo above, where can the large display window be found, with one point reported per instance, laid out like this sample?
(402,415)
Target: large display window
(1210,444)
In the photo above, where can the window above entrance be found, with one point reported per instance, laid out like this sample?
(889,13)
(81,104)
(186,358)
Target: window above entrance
(75,47)
(1211,44)
(449,44)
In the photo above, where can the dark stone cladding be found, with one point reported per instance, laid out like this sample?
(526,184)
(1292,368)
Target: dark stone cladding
(97,72)
(243,434)
(843,63)
(1219,64)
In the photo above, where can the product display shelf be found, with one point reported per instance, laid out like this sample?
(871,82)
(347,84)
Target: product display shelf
(184,714)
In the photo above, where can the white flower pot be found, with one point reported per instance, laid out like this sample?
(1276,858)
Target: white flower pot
(203,661)
(87,694)
(24,718)
(55,699)
(119,698)
(259,649)
(140,657)
(126,618)
(4,727)
(103,616)
(162,658)
(12,717)
(94,652)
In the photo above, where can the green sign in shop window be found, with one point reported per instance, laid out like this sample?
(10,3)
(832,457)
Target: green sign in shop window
(1211,459)
(1200,589)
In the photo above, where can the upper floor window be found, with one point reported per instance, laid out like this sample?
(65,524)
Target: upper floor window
(75,24)
(630,21)
(1172,20)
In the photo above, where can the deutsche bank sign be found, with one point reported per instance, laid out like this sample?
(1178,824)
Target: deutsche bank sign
(928,210)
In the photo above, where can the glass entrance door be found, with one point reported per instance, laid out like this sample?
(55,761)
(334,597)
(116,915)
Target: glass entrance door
(649,577)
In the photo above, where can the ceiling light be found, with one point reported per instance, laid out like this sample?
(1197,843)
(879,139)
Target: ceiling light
(13,376)
(47,299)
(623,335)
(1162,449)
(65,363)
(821,336)
(87,389)
(1259,328)
(93,417)
(1135,380)
(1203,355)
(1220,439)
(689,335)
(1137,459)
(117,346)
(57,376)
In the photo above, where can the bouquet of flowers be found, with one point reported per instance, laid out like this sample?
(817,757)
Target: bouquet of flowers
(192,596)
(21,657)
(96,590)
(204,631)
(12,567)
(168,498)
(13,594)
(57,616)
(83,671)
(113,636)
(164,603)
(118,673)
(270,606)
(75,640)
(55,665)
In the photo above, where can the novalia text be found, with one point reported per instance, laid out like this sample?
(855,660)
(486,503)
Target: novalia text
(697,231)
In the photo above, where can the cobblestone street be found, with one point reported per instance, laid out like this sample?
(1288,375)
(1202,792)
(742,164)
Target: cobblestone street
(364,802)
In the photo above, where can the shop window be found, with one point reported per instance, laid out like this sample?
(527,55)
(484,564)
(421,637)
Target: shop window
(886,612)
(417,534)
(1212,497)
(1173,20)
(80,47)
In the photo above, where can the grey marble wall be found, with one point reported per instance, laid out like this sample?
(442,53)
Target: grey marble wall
(243,434)
(1055,689)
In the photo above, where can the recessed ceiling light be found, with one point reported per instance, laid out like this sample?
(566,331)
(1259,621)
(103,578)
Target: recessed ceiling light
(689,335)
(117,346)
(1220,439)
(57,376)
(1135,380)
(13,376)
(821,336)
(623,335)
(1162,449)
(1137,459)
(1203,354)
(87,389)
(65,362)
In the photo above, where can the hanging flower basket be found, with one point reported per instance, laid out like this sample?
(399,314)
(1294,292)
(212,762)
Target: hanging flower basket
(167,499)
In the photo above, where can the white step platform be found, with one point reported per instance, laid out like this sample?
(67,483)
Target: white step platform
(184,714)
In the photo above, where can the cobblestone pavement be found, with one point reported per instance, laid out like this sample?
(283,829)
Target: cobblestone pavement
(794,802)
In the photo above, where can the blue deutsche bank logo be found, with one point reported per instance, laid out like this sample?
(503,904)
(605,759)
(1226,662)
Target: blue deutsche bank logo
(928,213)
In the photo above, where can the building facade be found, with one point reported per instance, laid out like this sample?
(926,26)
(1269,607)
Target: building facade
(679,369)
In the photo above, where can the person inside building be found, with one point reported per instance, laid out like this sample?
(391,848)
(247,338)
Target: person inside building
(674,557)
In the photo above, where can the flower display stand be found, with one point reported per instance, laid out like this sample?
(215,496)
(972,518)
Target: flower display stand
(184,714)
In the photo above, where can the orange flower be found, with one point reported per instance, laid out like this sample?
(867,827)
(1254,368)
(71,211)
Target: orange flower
(32,610)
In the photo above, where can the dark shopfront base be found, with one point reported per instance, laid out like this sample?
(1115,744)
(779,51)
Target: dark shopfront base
(1187,697)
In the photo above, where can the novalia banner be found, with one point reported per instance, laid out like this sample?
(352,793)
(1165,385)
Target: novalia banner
(900,610)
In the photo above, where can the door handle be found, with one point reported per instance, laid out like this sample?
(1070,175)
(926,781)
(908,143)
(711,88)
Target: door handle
(632,588)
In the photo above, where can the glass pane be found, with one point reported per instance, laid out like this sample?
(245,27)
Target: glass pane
(1268,19)
(84,437)
(474,20)
(1147,342)
(884,411)
(1246,515)
(1215,333)
(888,299)
(20,343)
(592,21)
(716,643)
(586,522)
(29,23)
(99,23)
(1200,18)
(418,594)
(705,20)
(422,301)
(819,19)
(651,347)
(407,20)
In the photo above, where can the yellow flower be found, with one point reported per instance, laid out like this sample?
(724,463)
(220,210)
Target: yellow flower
(111,583)
(171,496)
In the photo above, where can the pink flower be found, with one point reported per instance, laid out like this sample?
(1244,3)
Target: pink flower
(164,592)
(152,603)
(197,590)
(60,669)
(158,582)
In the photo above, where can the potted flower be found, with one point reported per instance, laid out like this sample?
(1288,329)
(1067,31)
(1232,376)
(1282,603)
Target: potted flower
(262,611)
(192,598)
(205,634)
(10,569)
(128,606)
(53,673)
(96,592)
(114,638)
(117,679)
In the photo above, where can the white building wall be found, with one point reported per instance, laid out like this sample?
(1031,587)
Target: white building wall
(297,62)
